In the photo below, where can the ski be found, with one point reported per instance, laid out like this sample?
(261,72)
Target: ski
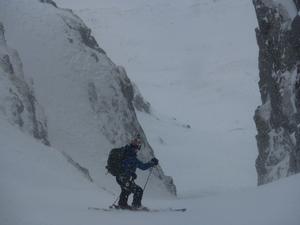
(112,209)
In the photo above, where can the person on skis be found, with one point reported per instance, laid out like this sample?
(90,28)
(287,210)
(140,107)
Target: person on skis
(126,178)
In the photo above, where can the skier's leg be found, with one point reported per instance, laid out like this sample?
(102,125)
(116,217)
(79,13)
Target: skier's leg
(137,195)
(125,191)
(123,198)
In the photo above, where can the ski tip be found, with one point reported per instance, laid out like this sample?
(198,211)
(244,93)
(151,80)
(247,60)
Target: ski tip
(178,209)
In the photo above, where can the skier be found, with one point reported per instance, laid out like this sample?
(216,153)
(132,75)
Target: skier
(127,176)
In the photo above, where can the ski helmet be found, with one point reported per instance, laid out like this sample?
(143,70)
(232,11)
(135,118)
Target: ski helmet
(136,142)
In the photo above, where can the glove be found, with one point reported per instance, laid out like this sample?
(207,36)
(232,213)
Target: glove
(133,176)
(154,161)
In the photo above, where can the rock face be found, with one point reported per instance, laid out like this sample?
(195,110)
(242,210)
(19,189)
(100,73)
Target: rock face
(89,101)
(17,100)
(278,119)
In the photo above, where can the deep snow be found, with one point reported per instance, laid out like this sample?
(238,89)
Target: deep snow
(38,186)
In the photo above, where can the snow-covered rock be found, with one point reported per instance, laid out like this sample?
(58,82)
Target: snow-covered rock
(87,99)
(278,119)
(17,100)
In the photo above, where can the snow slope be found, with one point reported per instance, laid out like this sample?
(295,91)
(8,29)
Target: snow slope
(86,98)
(38,186)
(195,61)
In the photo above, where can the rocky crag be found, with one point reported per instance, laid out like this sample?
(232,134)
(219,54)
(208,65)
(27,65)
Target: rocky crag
(278,118)
(17,101)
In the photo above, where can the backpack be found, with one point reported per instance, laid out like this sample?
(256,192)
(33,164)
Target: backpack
(114,161)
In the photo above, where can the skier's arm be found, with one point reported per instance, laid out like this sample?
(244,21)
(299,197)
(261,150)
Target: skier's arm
(145,166)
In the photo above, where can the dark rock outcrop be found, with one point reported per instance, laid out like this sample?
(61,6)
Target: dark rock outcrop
(86,37)
(278,118)
(49,2)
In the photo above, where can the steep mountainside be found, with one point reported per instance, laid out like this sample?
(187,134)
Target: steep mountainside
(278,118)
(87,99)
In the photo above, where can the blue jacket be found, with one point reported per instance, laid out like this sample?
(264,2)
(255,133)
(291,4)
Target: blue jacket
(131,162)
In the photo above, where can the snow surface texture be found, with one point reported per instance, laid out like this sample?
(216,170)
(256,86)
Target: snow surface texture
(87,99)
(277,119)
(38,186)
(195,61)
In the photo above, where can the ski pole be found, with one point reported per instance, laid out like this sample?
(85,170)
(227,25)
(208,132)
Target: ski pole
(148,179)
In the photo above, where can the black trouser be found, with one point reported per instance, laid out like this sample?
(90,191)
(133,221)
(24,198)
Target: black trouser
(128,186)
